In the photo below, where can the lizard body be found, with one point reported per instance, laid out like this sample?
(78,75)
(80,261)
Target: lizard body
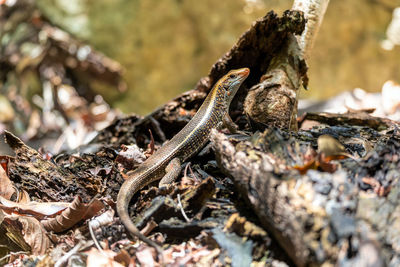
(165,163)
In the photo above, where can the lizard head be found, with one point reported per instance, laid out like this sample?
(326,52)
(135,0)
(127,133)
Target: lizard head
(232,82)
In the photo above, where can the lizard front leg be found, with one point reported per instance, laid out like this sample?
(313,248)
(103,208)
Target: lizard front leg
(171,172)
(231,126)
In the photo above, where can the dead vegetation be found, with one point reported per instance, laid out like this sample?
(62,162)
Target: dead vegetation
(326,194)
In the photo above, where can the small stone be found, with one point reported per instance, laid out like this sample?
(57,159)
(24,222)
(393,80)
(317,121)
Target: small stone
(343,225)
(323,188)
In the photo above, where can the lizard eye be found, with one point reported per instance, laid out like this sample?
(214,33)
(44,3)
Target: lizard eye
(232,76)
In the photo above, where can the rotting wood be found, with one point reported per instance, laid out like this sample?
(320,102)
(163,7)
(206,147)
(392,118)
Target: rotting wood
(351,118)
(44,179)
(273,101)
(320,217)
(261,169)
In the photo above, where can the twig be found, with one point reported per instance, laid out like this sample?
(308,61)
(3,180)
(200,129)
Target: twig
(96,242)
(67,255)
(12,253)
(186,169)
(181,208)
(157,128)
(149,227)
(193,175)
(151,143)
(96,223)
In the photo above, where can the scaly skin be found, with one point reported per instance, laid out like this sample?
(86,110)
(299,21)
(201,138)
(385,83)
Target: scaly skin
(182,146)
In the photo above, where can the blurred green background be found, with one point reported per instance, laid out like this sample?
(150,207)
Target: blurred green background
(167,45)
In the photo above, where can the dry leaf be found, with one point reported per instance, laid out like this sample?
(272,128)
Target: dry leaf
(36,209)
(331,148)
(4,163)
(328,149)
(93,208)
(23,197)
(69,217)
(124,258)
(319,163)
(242,227)
(101,259)
(6,186)
(76,212)
(308,165)
(188,254)
(130,157)
(376,186)
(17,259)
(32,232)
(325,165)
(146,256)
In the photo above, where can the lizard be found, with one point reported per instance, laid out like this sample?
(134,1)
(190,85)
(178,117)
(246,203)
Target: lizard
(165,163)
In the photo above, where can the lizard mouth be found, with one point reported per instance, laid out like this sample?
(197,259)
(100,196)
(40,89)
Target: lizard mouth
(244,72)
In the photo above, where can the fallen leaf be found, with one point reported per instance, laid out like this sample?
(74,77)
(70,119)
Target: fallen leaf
(328,149)
(243,227)
(100,170)
(309,165)
(23,197)
(376,186)
(190,254)
(146,256)
(104,258)
(319,163)
(92,208)
(17,259)
(130,157)
(4,160)
(36,209)
(325,164)
(76,212)
(33,233)
(331,148)
(6,186)
(124,258)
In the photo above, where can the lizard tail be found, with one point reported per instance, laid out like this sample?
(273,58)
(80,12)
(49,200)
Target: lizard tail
(128,189)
